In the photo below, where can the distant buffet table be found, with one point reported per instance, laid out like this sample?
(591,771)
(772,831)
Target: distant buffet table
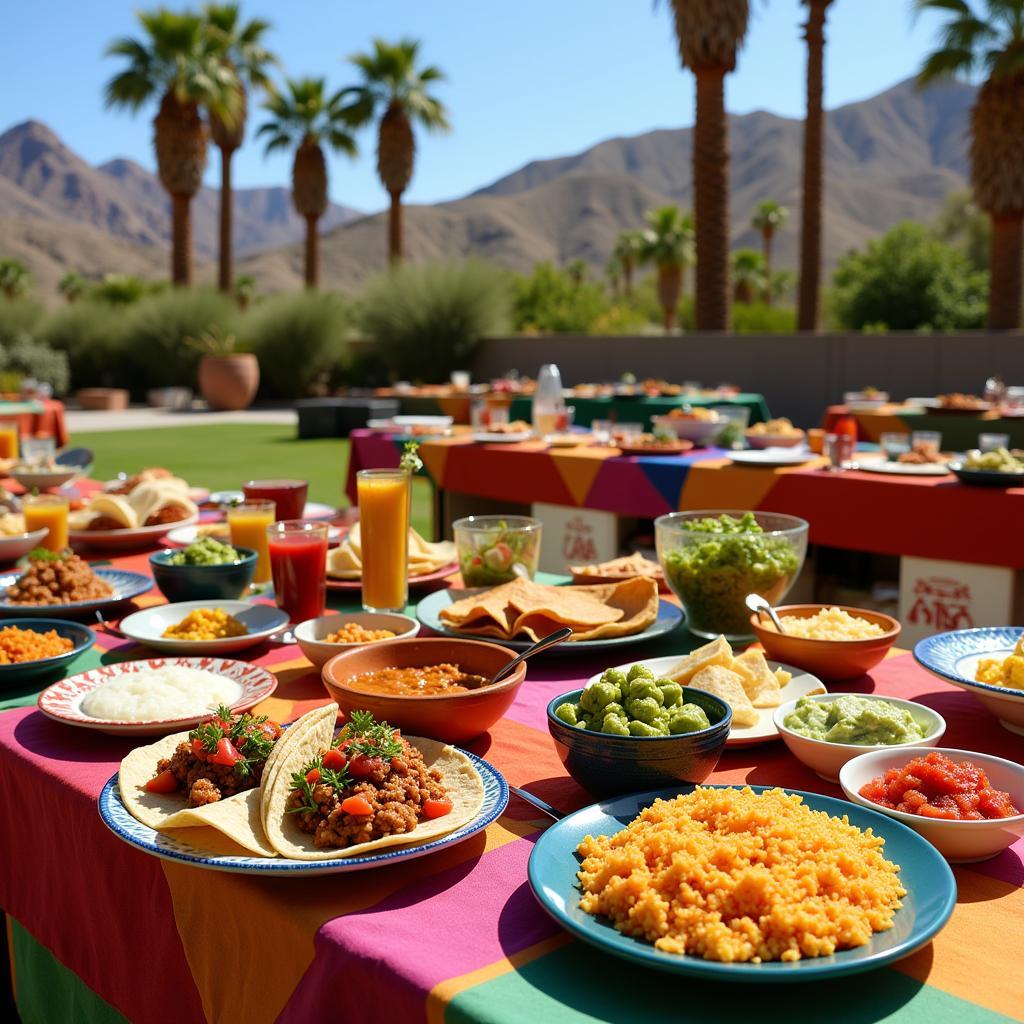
(37,418)
(959,431)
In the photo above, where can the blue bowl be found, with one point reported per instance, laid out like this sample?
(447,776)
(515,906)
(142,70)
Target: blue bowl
(225,582)
(82,637)
(607,765)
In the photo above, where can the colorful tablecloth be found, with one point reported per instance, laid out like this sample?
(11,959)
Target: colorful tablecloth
(930,517)
(959,432)
(37,418)
(103,933)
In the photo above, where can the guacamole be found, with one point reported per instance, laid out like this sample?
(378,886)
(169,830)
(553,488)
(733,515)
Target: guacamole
(208,551)
(852,719)
(723,560)
(633,704)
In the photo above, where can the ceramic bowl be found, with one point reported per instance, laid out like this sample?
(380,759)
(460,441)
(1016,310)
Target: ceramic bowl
(961,842)
(831,660)
(607,765)
(202,582)
(697,431)
(826,759)
(12,548)
(310,634)
(455,718)
(81,636)
(759,441)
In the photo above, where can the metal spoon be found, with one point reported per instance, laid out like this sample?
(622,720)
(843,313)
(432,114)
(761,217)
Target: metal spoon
(542,805)
(756,603)
(541,645)
(108,627)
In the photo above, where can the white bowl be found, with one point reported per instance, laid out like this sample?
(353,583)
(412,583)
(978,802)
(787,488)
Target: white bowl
(961,842)
(826,759)
(774,440)
(14,547)
(45,479)
(147,626)
(697,431)
(310,633)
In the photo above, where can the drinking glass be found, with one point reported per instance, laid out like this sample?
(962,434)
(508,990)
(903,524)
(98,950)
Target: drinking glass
(384,527)
(289,496)
(49,511)
(298,564)
(36,450)
(248,524)
(990,442)
(602,430)
(894,445)
(929,441)
(9,434)
(839,449)
(497,409)
(623,433)
(460,380)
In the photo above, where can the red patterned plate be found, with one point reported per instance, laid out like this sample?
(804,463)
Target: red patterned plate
(414,581)
(62,701)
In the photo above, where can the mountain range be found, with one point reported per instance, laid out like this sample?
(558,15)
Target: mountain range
(889,158)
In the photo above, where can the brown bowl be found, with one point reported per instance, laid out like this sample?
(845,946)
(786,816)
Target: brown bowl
(831,660)
(454,718)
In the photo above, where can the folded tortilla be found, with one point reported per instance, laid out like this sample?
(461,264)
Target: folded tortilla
(462,781)
(111,506)
(536,609)
(154,496)
(345,562)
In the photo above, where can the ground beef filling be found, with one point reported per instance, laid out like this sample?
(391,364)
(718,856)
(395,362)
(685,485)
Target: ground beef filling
(205,782)
(395,790)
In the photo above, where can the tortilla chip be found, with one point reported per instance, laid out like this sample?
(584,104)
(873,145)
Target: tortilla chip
(724,683)
(760,683)
(617,569)
(782,676)
(461,780)
(717,652)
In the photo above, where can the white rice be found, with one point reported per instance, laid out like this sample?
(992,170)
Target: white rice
(160,693)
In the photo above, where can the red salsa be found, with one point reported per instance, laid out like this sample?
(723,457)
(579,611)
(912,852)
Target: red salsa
(936,787)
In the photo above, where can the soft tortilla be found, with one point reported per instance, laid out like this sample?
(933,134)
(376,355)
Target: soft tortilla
(113,506)
(149,498)
(462,781)
(346,560)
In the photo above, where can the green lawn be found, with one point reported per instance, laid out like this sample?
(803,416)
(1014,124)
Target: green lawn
(222,456)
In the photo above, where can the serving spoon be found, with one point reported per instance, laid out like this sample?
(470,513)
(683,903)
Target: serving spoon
(756,603)
(541,645)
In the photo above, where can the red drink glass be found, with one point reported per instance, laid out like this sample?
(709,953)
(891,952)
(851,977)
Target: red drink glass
(298,564)
(289,496)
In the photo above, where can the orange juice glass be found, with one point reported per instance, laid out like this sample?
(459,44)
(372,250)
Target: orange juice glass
(9,437)
(49,511)
(384,528)
(248,524)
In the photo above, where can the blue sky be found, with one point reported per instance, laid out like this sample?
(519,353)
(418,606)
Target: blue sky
(530,79)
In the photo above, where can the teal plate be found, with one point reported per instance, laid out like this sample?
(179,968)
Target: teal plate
(428,611)
(931,894)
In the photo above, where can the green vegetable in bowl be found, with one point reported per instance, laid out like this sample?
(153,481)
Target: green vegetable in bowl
(498,554)
(633,704)
(208,551)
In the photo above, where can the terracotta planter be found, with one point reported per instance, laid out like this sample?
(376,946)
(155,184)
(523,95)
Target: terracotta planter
(229,382)
(108,399)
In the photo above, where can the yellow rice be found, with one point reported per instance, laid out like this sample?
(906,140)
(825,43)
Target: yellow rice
(731,875)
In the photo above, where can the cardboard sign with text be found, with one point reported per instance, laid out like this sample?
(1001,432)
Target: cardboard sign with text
(936,596)
(575,536)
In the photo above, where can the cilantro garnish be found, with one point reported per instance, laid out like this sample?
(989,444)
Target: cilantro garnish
(337,779)
(369,737)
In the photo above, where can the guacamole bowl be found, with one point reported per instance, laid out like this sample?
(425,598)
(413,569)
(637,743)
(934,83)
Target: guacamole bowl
(607,765)
(224,582)
(825,758)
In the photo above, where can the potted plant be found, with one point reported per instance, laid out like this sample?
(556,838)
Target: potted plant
(227,379)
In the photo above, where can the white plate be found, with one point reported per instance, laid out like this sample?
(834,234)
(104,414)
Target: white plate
(764,730)
(14,547)
(400,424)
(182,536)
(62,701)
(903,468)
(773,457)
(122,540)
(147,626)
(488,437)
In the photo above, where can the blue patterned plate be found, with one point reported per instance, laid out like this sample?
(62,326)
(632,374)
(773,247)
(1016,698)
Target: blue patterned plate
(931,894)
(176,847)
(954,657)
(126,586)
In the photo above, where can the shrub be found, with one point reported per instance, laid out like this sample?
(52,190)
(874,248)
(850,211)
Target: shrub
(428,320)
(549,301)
(124,289)
(759,318)
(154,351)
(28,358)
(19,318)
(90,334)
(299,339)
(906,280)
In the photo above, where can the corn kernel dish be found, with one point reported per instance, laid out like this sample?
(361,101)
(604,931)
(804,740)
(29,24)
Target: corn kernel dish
(206,624)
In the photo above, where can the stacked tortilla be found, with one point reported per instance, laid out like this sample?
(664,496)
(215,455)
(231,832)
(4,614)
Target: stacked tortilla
(345,562)
(535,610)
(134,510)
(624,568)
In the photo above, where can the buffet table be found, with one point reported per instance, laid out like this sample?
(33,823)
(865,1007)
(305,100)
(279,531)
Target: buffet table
(37,418)
(959,431)
(101,932)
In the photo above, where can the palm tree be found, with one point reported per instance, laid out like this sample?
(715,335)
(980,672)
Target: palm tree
(992,42)
(243,289)
(750,278)
(305,117)
(241,48)
(769,217)
(812,199)
(176,61)
(14,278)
(627,251)
(71,286)
(613,271)
(710,33)
(397,89)
(668,243)
(576,269)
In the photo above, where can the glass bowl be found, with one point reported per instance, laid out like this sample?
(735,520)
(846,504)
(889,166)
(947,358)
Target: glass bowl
(497,549)
(712,571)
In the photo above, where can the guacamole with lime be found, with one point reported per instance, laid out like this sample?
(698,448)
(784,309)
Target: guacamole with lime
(208,551)
(855,720)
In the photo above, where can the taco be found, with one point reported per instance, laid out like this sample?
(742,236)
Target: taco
(162,502)
(106,512)
(371,788)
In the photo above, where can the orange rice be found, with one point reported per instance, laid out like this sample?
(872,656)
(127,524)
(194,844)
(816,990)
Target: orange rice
(20,645)
(732,875)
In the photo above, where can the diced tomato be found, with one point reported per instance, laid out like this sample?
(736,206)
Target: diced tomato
(356,805)
(223,724)
(197,747)
(361,766)
(225,753)
(313,776)
(334,760)
(165,782)
(436,808)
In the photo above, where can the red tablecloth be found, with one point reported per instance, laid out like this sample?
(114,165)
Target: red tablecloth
(47,422)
